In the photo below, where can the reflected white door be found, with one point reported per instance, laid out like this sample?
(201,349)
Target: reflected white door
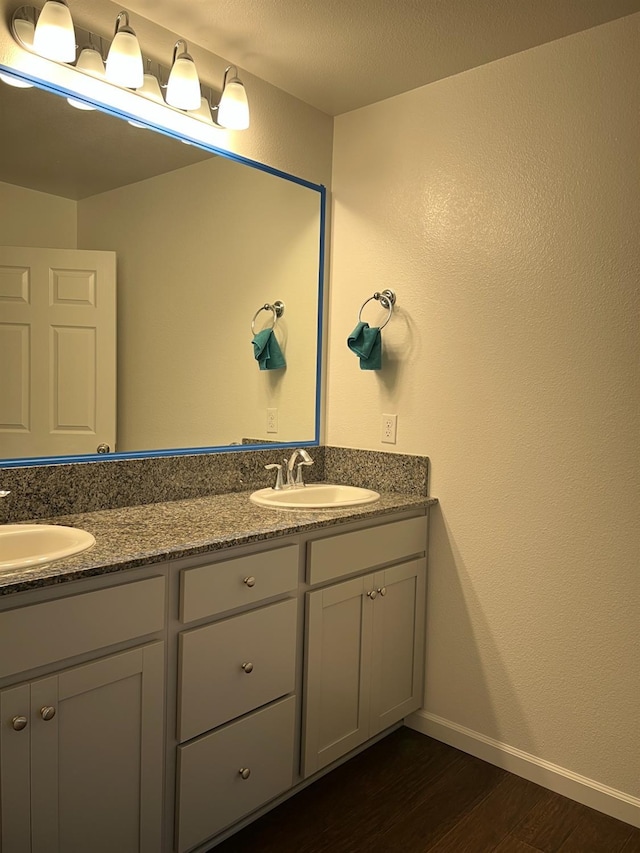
(57,351)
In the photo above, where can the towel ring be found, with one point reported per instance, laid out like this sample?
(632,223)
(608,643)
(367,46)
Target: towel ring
(278,311)
(387,299)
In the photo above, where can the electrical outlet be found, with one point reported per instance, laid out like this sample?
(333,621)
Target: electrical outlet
(389,429)
(272,420)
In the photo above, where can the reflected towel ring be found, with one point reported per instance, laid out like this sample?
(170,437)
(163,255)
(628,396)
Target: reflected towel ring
(387,299)
(278,311)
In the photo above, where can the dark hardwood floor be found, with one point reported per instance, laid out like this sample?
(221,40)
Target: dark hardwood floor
(411,794)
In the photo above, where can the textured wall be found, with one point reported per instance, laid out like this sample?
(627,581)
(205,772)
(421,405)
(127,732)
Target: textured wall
(503,206)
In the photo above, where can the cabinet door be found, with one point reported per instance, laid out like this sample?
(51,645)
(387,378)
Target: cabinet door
(397,670)
(339,626)
(95,741)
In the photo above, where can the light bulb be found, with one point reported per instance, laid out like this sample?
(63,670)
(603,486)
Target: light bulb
(183,86)
(233,109)
(124,60)
(54,36)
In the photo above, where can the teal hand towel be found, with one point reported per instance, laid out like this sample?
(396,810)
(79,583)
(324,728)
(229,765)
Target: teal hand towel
(367,344)
(267,352)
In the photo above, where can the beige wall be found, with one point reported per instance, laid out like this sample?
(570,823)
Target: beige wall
(200,250)
(31,218)
(502,205)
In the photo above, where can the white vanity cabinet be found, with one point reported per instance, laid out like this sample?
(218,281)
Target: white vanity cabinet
(364,637)
(237,706)
(82,747)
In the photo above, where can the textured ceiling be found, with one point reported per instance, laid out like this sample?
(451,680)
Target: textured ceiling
(338,55)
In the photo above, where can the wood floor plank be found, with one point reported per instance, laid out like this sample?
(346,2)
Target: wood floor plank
(440,807)
(597,833)
(491,820)
(632,844)
(550,822)
(511,844)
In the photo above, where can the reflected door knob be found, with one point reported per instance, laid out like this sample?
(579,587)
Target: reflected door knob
(48,712)
(245,772)
(19,723)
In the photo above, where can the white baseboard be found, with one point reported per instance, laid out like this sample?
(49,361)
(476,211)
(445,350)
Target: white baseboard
(565,782)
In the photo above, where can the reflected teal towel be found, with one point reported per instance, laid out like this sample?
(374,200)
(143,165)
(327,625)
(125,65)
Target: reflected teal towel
(267,352)
(367,343)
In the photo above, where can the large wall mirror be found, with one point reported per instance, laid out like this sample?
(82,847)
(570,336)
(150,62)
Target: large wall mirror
(197,244)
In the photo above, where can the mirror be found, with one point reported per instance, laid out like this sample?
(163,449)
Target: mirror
(203,243)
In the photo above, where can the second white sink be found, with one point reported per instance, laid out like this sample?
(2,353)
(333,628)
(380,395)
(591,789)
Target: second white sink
(27,545)
(314,496)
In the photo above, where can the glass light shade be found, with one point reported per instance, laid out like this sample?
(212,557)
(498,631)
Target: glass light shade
(54,36)
(203,112)
(183,88)
(90,61)
(151,88)
(16,82)
(24,30)
(124,61)
(233,109)
(79,105)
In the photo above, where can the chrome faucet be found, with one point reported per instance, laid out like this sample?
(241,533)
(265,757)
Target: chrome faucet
(306,460)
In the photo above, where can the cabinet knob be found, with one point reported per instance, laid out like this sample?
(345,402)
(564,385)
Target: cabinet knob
(250,581)
(372,594)
(48,712)
(382,590)
(19,723)
(245,772)
(248,666)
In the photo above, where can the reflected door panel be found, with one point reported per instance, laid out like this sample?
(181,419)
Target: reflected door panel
(58,351)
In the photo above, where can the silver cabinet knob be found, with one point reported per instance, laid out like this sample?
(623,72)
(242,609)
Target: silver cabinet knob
(250,581)
(245,772)
(48,712)
(372,594)
(382,590)
(19,723)
(248,666)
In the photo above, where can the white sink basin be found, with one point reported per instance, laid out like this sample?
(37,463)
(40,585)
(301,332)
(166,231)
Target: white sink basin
(314,496)
(28,545)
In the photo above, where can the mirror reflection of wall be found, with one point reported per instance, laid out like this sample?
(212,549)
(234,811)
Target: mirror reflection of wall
(201,243)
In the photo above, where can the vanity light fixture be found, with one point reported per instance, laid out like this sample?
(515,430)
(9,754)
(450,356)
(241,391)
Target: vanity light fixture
(124,60)
(125,69)
(54,36)
(233,109)
(183,87)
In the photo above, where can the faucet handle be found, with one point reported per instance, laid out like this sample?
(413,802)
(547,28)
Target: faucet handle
(279,484)
(305,462)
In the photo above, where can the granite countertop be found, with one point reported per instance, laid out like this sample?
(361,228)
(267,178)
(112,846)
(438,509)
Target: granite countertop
(142,535)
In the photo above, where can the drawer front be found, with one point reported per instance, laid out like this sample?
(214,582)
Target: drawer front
(212,793)
(337,556)
(216,587)
(40,634)
(214,686)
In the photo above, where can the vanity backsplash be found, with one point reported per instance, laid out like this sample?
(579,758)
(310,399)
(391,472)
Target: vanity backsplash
(44,491)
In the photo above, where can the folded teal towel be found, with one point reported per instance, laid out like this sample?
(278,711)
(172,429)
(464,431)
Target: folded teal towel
(267,352)
(367,343)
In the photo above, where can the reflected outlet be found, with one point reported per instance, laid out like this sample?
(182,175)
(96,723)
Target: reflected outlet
(272,420)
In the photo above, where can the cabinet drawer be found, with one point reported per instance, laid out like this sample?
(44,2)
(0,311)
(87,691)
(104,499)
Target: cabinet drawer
(214,686)
(40,634)
(337,556)
(212,793)
(216,587)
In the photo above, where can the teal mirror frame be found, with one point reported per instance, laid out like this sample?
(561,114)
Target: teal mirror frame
(220,152)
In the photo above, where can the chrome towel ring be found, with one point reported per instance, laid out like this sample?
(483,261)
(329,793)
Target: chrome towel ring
(387,299)
(278,310)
